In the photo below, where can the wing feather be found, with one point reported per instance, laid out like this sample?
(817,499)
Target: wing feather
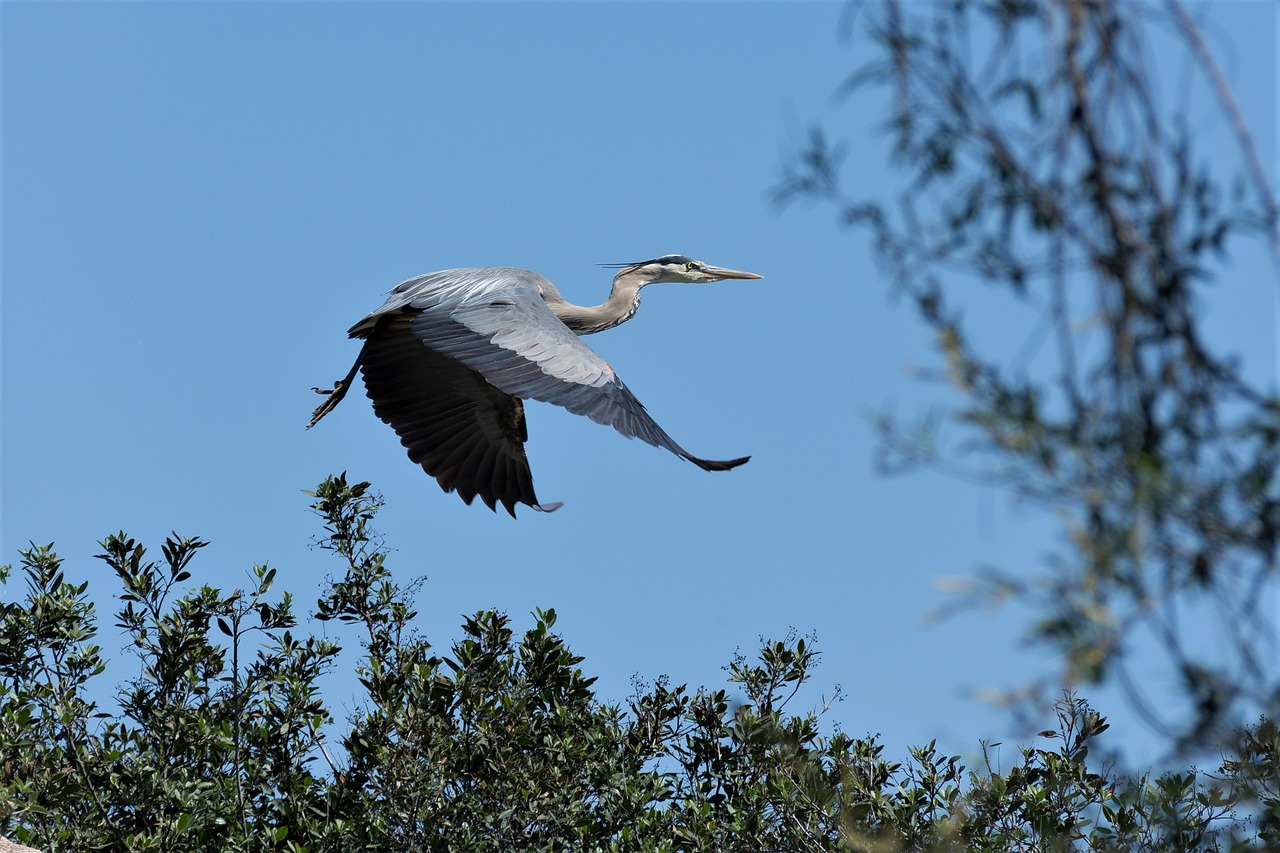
(452,422)
(512,339)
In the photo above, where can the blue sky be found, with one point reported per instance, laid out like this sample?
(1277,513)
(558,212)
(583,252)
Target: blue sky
(199,199)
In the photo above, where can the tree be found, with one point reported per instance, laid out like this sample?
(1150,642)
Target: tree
(1042,163)
(222,740)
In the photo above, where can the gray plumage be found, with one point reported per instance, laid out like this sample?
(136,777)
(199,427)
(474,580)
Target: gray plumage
(451,355)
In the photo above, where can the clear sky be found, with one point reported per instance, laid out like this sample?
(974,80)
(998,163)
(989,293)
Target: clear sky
(200,198)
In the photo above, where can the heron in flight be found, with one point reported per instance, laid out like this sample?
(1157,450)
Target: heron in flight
(450,356)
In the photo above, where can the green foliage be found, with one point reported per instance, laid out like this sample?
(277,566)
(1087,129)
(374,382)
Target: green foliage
(204,748)
(222,741)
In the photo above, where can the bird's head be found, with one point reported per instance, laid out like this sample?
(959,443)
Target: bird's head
(678,268)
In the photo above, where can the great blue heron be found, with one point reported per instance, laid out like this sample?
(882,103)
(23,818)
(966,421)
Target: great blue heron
(450,355)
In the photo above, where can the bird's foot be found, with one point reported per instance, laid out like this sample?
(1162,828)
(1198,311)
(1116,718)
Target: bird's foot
(332,397)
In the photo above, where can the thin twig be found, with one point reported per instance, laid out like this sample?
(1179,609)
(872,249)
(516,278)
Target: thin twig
(1238,125)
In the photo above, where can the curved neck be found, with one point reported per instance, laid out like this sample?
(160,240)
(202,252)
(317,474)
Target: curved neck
(621,306)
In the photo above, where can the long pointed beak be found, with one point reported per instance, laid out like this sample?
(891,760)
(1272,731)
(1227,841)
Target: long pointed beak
(722,272)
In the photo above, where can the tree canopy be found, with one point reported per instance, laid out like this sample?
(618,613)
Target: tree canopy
(222,740)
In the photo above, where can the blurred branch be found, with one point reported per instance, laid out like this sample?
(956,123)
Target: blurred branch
(1039,162)
(1227,100)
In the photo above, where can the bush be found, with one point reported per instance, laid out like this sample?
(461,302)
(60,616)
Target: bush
(222,740)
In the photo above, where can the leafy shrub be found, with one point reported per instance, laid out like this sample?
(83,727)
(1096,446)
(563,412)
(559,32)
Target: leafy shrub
(223,741)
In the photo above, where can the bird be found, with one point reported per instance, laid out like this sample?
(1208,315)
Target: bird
(450,356)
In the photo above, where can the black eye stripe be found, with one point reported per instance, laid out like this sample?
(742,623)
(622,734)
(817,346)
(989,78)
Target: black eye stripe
(665,260)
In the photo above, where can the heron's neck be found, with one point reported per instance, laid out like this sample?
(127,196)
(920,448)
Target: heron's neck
(621,306)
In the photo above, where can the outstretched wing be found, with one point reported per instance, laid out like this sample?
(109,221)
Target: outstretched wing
(463,431)
(511,338)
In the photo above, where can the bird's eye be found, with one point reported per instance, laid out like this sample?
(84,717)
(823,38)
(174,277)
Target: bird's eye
(691,266)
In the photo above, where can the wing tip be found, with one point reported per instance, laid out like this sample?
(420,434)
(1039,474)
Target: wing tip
(718,465)
(510,506)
